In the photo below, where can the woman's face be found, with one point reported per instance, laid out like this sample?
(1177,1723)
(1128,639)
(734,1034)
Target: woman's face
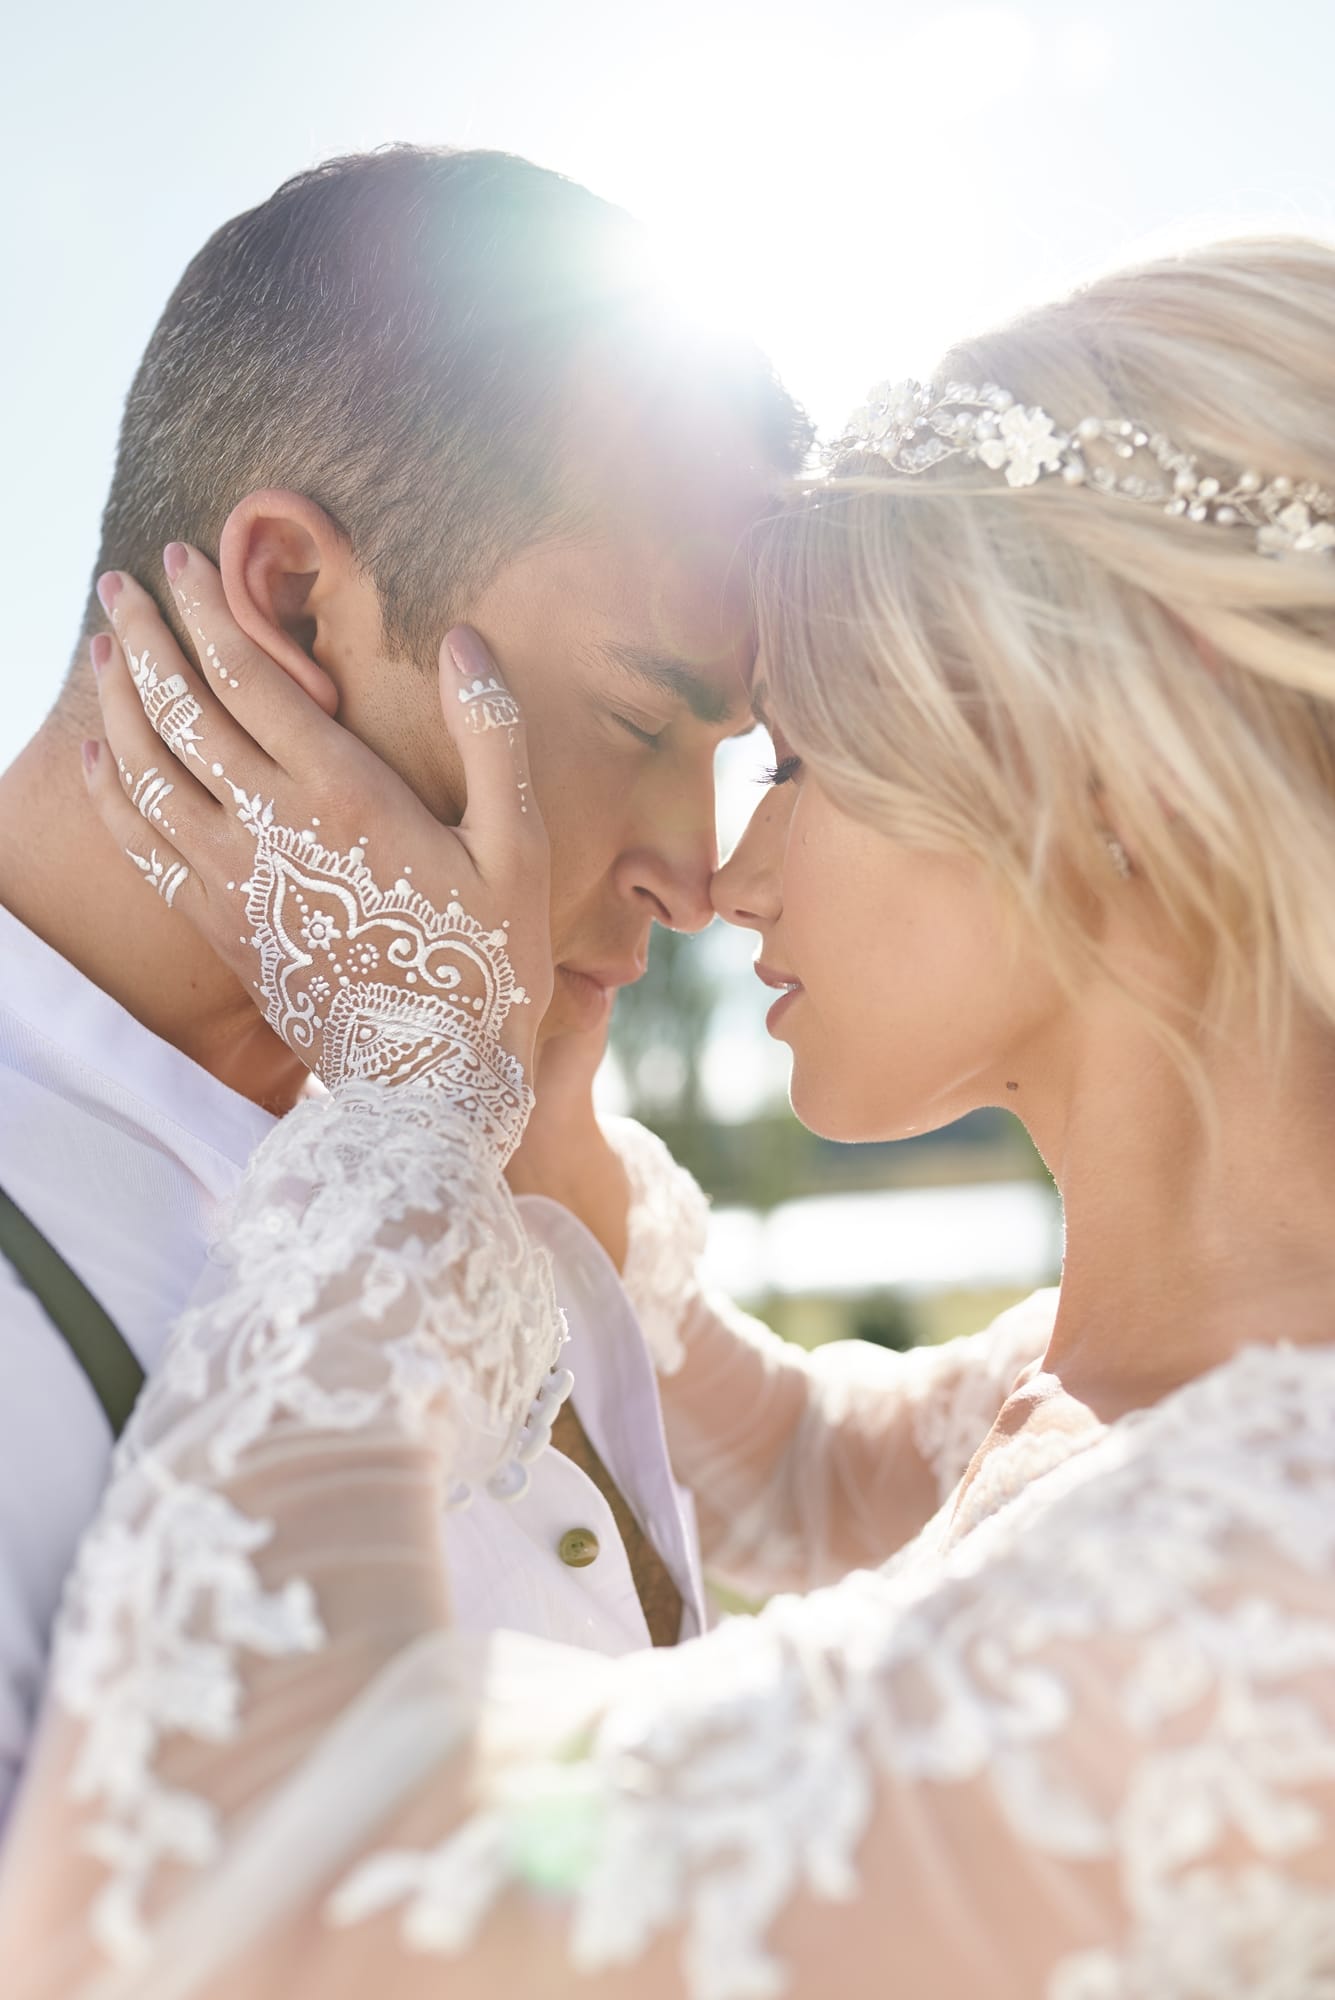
(914,1002)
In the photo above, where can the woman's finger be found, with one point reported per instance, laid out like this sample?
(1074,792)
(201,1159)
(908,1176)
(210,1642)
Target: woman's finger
(162,790)
(157,861)
(488,727)
(286,722)
(182,711)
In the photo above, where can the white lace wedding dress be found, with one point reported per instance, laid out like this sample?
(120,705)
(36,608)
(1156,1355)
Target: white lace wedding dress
(1075,1739)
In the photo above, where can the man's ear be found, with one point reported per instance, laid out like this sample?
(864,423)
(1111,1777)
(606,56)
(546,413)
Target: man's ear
(283,564)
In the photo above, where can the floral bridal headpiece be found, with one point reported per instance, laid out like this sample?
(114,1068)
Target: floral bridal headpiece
(913,426)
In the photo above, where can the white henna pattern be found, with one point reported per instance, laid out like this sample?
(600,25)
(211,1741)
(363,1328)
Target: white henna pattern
(323,927)
(163,877)
(209,656)
(168,704)
(149,793)
(488,705)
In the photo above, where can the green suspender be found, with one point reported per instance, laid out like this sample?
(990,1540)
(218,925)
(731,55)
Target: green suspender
(96,1342)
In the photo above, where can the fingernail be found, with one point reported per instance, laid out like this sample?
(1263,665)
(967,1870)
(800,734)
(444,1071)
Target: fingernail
(108,589)
(92,750)
(174,559)
(100,652)
(468,653)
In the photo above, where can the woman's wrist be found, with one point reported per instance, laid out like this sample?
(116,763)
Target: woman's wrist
(667,1229)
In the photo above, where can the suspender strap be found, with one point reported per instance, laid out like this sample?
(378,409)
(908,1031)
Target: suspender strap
(95,1341)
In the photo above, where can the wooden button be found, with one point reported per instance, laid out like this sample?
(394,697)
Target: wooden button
(578,1547)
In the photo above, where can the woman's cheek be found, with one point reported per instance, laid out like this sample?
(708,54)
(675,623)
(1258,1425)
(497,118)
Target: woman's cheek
(833,879)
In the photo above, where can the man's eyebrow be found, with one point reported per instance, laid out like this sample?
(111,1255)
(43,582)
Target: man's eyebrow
(675,677)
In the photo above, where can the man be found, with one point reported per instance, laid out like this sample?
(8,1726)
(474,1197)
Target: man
(411,388)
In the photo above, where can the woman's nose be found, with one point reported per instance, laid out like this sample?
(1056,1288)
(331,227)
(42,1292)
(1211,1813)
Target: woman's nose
(746,890)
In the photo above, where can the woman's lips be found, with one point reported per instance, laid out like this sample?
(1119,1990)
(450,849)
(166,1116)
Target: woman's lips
(789,990)
(770,977)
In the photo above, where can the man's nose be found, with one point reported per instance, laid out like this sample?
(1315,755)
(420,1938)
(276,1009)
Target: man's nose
(671,876)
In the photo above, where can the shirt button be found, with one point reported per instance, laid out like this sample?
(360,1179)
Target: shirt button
(578,1547)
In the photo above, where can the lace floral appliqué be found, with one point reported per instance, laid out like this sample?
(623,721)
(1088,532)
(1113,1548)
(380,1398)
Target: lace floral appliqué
(375,1279)
(1170,1570)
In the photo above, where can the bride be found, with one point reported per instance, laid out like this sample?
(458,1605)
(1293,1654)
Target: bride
(1049,662)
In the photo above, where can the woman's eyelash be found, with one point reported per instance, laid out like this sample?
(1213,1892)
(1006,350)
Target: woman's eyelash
(781,773)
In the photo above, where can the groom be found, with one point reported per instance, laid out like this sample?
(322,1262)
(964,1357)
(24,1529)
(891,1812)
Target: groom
(411,388)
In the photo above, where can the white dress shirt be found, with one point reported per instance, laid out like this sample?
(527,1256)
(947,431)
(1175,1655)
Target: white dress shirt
(118,1148)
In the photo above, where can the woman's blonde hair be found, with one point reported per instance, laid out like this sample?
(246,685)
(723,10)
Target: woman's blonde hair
(1014,671)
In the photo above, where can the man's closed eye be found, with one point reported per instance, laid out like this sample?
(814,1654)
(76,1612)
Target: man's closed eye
(646,736)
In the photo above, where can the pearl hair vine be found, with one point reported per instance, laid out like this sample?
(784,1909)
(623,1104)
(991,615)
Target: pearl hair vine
(913,426)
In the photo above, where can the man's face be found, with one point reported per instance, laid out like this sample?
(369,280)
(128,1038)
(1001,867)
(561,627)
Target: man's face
(628,651)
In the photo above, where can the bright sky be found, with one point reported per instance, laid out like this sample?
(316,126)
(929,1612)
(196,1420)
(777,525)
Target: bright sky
(857,181)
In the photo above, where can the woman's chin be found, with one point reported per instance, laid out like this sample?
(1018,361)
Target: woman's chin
(838,1106)
(828,1110)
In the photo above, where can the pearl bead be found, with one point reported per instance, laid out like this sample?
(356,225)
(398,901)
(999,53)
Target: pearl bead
(1227,517)
(1184,482)
(1208,488)
(1198,513)
(1281,486)
(1074,474)
(1089,427)
(1250,482)
(509,1482)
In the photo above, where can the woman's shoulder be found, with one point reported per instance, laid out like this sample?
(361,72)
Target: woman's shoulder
(1238,1464)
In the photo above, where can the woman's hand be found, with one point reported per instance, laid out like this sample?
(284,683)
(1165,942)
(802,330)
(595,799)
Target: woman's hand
(379,943)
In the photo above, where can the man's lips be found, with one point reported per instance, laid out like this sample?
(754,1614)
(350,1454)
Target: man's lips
(606,977)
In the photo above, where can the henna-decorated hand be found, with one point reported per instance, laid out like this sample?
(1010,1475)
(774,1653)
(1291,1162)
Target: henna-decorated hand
(379,943)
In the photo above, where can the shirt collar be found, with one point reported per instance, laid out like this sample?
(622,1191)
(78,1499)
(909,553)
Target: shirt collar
(56,1001)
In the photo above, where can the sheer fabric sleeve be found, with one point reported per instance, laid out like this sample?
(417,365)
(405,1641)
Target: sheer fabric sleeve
(803,1465)
(377,1338)
(1090,1755)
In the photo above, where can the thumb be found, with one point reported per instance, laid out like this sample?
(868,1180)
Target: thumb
(487,725)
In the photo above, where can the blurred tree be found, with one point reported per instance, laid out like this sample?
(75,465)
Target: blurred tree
(659,1031)
(886,1318)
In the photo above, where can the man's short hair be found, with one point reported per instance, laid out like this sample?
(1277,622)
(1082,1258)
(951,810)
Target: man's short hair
(393,334)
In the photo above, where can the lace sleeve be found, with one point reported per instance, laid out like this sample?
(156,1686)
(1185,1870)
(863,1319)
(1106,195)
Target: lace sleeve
(667,1232)
(803,1465)
(1089,1756)
(1092,1757)
(375,1338)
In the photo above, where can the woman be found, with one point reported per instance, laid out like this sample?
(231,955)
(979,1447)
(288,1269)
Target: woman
(1051,672)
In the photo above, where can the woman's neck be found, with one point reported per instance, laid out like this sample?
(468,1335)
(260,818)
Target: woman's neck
(1182,1247)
